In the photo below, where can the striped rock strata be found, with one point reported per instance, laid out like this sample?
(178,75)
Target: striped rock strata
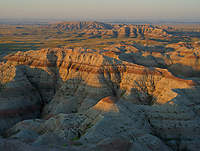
(110,117)
(99,29)
(146,127)
(19,100)
(66,81)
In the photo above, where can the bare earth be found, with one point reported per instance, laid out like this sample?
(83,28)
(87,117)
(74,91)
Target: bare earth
(135,87)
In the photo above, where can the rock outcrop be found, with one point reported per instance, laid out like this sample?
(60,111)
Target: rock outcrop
(19,100)
(124,93)
(99,29)
(81,25)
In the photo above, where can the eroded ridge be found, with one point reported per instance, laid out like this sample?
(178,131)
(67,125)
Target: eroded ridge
(129,92)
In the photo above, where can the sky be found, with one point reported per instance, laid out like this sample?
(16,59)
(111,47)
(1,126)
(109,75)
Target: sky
(172,10)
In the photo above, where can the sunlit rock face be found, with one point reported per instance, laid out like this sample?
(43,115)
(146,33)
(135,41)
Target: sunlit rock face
(128,92)
(99,29)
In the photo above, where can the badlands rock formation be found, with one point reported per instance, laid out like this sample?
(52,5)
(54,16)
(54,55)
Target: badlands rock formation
(124,96)
(98,29)
(80,25)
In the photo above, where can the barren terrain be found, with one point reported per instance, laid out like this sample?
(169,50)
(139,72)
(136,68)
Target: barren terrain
(99,86)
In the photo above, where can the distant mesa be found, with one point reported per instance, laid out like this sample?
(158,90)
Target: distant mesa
(114,30)
(92,29)
(81,25)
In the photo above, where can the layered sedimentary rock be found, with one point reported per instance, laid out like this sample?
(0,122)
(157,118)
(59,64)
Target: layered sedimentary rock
(149,106)
(187,59)
(114,30)
(19,100)
(98,29)
(58,144)
(110,117)
(80,25)
(176,120)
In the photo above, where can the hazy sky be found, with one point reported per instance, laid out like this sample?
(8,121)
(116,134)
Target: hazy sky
(101,9)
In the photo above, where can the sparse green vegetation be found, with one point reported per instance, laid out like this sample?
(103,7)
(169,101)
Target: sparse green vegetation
(32,37)
(78,143)
(64,145)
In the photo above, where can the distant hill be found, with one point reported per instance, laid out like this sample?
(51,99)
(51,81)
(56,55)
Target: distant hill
(100,29)
(81,25)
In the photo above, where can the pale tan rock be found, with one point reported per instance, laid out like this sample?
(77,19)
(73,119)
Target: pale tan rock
(80,80)
(110,30)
